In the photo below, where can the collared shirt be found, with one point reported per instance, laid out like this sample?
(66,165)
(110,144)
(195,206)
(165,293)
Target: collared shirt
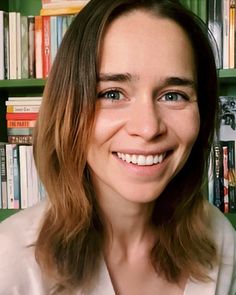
(21,275)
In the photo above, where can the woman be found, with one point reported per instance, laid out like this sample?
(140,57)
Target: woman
(121,146)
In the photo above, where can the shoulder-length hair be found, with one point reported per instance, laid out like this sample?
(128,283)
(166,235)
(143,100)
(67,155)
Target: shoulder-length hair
(70,242)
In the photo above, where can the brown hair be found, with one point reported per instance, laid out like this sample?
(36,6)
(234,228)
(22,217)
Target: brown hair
(70,242)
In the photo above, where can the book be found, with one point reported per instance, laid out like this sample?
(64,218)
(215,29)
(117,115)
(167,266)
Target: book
(18,45)
(23,177)
(19,131)
(38,47)
(21,116)
(3,175)
(23,108)
(2,66)
(227,118)
(31,50)
(20,139)
(21,123)
(23,102)
(10,176)
(231,34)
(24,47)
(215,25)
(16,177)
(13,44)
(46,45)
(52,4)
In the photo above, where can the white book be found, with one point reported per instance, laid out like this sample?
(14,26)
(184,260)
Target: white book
(10,175)
(225,34)
(53,37)
(23,177)
(2,67)
(32,178)
(13,44)
(18,44)
(24,98)
(23,102)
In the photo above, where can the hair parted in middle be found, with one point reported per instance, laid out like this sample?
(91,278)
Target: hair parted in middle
(70,243)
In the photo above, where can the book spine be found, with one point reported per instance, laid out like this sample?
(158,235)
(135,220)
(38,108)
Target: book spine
(46,45)
(2,68)
(20,124)
(232,176)
(19,131)
(53,37)
(218,198)
(13,44)
(23,109)
(18,44)
(31,52)
(6,47)
(231,34)
(10,176)
(21,116)
(3,175)
(24,48)
(23,177)
(226,34)
(16,177)
(20,139)
(38,47)
(226,179)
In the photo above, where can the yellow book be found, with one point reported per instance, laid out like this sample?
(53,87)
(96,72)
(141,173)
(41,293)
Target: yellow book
(61,11)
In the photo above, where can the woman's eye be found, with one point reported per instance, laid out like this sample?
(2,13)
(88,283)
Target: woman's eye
(111,94)
(173,96)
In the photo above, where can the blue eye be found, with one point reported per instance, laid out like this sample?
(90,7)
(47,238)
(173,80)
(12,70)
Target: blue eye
(174,97)
(111,94)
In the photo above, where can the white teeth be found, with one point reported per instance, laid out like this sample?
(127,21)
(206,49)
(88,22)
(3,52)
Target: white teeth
(142,160)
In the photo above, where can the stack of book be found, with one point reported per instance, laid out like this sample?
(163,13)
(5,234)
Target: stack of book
(21,116)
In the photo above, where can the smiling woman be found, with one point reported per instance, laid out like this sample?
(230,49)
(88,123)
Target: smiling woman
(122,145)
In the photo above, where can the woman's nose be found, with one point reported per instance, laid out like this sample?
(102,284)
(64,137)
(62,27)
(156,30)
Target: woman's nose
(145,120)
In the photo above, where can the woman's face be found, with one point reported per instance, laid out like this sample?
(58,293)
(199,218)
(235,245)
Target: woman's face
(147,116)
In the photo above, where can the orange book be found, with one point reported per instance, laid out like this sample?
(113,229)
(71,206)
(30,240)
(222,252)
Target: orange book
(46,45)
(38,47)
(20,123)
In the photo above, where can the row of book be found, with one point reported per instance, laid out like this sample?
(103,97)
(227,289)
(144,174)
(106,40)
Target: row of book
(20,186)
(21,116)
(222,175)
(222,25)
(28,44)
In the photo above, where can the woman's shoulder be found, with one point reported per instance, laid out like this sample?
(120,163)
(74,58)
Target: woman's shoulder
(23,226)
(221,227)
(19,271)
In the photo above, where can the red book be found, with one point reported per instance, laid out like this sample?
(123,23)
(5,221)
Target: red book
(21,116)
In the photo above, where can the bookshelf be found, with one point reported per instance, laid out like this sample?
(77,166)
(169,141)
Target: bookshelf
(227,79)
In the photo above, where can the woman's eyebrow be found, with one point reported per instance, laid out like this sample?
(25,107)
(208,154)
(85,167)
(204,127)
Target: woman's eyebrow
(165,82)
(178,81)
(117,77)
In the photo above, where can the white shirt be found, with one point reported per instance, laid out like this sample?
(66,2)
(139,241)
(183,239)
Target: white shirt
(21,275)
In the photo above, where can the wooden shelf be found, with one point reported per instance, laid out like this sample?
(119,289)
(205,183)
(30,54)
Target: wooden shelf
(22,83)
(227,76)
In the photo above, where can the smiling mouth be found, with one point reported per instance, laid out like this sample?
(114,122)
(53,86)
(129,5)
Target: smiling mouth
(142,160)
